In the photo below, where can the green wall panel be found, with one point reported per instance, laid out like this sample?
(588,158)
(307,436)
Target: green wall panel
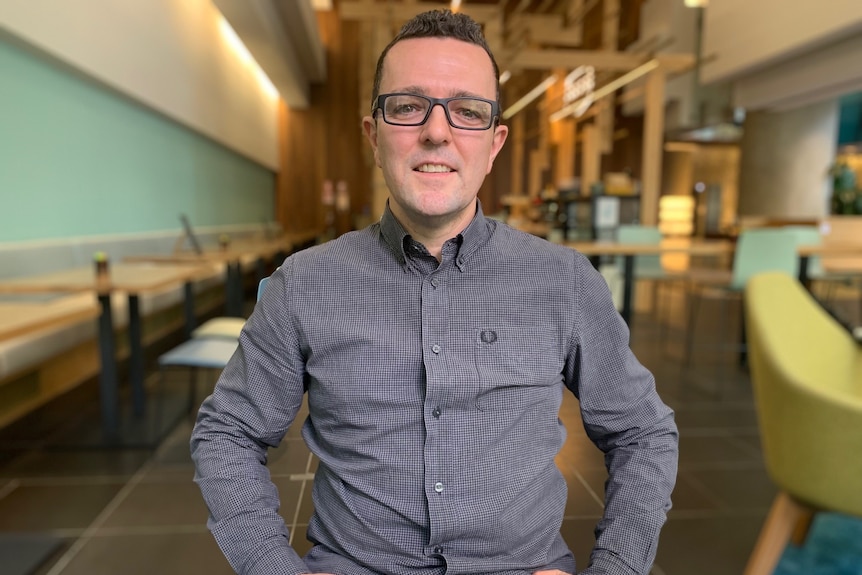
(77,159)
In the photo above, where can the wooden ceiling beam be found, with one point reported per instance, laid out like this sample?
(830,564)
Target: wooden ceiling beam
(550,29)
(601,60)
(569,59)
(370,10)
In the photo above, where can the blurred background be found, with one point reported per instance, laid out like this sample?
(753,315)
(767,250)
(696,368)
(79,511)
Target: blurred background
(158,158)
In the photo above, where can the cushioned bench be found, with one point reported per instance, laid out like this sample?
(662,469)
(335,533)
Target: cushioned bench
(68,354)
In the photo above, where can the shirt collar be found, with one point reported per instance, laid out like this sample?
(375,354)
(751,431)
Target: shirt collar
(474,236)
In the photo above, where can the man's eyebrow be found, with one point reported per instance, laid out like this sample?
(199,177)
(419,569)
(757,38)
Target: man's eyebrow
(420,91)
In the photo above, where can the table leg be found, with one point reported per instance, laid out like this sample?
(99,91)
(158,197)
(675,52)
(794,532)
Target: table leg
(628,287)
(233,290)
(189,308)
(136,357)
(108,376)
(237,290)
(803,272)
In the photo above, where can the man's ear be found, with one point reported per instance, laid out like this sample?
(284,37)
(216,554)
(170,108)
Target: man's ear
(369,128)
(500,133)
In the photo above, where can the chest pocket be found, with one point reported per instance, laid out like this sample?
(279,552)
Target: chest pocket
(517,365)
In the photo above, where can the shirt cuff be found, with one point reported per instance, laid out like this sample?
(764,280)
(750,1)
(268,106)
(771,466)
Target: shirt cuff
(280,561)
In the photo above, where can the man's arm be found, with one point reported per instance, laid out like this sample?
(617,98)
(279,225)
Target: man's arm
(251,408)
(624,416)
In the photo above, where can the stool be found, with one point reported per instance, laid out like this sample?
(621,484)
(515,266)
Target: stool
(205,352)
(220,327)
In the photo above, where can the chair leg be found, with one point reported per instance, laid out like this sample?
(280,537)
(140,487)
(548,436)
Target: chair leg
(193,384)
(784,516)
(160,390)
(689,336)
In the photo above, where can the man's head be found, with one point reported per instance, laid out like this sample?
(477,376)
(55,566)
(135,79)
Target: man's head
(434,124)
(438,24)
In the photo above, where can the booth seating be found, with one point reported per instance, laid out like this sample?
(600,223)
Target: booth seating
(806,370)
(46,362)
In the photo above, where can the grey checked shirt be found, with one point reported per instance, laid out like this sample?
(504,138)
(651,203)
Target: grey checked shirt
(433,394)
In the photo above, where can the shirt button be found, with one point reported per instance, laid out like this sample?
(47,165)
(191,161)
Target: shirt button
(435,348)
(438,487)
(436,413)
(438,550)
(435,282)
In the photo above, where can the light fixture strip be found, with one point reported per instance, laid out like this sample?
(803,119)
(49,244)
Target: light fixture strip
(529,97)
(608,88)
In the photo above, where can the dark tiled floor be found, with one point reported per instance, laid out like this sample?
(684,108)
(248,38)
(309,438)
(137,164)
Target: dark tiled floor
(137,510)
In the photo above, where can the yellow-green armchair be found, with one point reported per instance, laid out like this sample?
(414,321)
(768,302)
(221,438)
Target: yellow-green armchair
(806,370)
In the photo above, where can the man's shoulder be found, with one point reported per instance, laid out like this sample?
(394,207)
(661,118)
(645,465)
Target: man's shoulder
(343,251)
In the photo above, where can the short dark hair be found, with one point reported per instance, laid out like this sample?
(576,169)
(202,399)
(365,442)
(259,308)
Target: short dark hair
(438,24)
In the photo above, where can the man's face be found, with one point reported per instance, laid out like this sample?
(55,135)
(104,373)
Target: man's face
(434,171)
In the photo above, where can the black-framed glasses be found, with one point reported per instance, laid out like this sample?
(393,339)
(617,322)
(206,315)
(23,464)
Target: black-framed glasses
(464,113)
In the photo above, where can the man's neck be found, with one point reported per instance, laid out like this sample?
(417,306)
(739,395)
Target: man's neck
(433,233)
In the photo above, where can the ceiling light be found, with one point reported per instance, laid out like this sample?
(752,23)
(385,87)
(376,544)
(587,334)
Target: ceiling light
(529,97)
(608,88)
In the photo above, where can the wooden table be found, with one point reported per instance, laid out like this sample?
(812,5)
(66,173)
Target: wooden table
(22,317)
(232,257)
(629,251)
(840,258)
(134,279)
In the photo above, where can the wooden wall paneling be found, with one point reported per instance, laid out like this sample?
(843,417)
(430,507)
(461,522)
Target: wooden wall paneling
(564,165)
(325,141)
(518,136)
(590,158)
(610,39)
(653,146)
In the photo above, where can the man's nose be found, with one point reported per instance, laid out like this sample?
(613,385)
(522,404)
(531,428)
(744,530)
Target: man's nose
(437,127)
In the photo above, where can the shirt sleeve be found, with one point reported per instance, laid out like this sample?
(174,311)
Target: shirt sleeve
(624,416)
(254,402)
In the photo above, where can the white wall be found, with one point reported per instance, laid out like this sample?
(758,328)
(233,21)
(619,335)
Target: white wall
(784,161)
(170,55)
(741,36)
(823,74)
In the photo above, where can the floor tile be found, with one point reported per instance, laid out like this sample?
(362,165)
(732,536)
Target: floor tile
(57,506)
(168,553)
(708,544)
(74,463)
(712,451)
(735,488)
(159,503)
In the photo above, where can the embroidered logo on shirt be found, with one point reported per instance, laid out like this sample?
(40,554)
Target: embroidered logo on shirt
(488,336)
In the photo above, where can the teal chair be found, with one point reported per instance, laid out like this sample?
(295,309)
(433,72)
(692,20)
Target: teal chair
(209,352)
(757,250)
(225,327)
(821,282)
(648,267)
(806,371)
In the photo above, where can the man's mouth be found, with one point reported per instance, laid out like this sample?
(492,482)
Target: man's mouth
(433,169)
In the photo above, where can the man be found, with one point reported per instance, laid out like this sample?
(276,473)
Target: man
(434,347)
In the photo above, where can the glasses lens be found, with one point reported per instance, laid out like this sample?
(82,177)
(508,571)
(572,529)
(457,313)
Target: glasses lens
(470,113)
(405,109)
